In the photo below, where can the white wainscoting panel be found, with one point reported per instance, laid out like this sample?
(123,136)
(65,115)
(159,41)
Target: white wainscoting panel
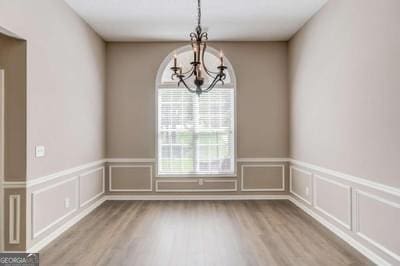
(333,199)
(56,211)
(86,185)
(301,184)
(377,222)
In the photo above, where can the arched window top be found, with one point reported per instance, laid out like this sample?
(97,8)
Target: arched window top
(185,56)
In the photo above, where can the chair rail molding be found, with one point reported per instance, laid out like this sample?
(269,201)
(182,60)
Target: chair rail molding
(358,180)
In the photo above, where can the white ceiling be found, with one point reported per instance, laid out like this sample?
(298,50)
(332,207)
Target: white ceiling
(173,20)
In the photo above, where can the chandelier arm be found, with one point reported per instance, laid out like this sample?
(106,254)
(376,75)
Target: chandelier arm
(209,72)
(186,86)
(189,71)
(213,83)
(191,74)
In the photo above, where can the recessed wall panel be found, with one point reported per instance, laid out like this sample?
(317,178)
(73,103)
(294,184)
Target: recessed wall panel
(91,185)
(301,184)
(263,178)
(196,185)
(333,199)
(130,178)
(377,222)
(52,204)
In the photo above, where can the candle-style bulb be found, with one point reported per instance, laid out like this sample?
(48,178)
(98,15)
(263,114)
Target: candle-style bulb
(221,56)
(175,59)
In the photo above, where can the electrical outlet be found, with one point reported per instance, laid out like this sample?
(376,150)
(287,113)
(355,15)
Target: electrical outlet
(201,181)
(66,203)
(307,191)
(40,151)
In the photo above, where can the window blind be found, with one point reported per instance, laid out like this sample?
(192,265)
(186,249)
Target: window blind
(195,134)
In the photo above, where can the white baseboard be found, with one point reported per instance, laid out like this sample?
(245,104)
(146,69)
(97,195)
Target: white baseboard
(196,197)
(344,236)
(45,241)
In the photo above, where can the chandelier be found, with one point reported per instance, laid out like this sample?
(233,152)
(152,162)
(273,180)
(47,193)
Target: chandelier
(198,69)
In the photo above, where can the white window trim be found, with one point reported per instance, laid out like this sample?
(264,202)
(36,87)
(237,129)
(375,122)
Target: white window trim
(159,85)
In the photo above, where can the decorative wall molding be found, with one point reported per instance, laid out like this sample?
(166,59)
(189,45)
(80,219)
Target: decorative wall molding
(14,219)
(47,178)
(378,245)
(291,168)
(358,180)
(196,181)
(103,185)
(342,234)
(34,194)
(350,182)
(354,187)
(14,184)
(283,188)
(129,166)
(56,233)
(326,212)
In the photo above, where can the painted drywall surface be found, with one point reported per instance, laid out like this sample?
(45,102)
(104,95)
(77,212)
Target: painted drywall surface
(13,62)
(344,80)
(262,97)
(65,84)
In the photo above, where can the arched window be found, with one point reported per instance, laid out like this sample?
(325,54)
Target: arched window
(195,134)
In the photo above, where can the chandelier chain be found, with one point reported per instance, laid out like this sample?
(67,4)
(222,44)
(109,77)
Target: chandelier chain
(198,13)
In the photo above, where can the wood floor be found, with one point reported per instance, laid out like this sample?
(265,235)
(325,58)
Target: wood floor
(199,233)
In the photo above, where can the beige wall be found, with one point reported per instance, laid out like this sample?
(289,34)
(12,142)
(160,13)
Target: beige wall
(344,81)
(65,84)
(13,62)
(344,86)
(262,97)
(58,103)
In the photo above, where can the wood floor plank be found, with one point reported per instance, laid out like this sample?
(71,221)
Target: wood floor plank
(190,233)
